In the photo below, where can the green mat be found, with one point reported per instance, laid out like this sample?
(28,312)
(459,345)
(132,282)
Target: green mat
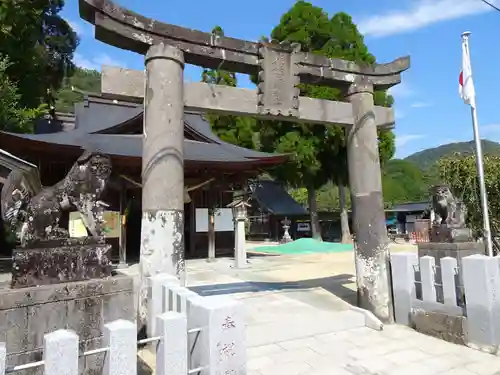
(305,246)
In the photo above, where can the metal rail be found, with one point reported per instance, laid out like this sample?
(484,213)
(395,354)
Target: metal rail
(13,369)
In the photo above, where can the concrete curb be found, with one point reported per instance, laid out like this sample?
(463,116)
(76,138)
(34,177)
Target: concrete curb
(371,321)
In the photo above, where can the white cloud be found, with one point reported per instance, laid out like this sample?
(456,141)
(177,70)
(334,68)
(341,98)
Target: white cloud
(419,14)
(77,27)
(401,91)
(420,105)
(83,62)
(403,140)
(96,62)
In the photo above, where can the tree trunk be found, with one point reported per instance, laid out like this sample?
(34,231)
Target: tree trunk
(344,217)
(313,210)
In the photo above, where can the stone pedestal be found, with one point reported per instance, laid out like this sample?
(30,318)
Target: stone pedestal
(443,233)
(458,250)
(61,261)
(85,306)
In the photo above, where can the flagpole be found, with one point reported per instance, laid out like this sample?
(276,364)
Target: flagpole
(479,165)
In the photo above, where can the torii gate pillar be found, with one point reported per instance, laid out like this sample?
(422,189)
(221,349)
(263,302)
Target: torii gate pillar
(162,230)
(372,249)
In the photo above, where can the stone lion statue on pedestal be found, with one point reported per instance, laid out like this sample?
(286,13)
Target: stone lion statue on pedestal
(448,210)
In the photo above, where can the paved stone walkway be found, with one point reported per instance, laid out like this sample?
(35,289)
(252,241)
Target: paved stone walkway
(394,351)
(300,324)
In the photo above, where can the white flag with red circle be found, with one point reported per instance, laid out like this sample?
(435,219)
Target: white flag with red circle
(466,85)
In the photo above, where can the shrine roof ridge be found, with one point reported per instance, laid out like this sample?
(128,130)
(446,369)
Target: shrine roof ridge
(123,28)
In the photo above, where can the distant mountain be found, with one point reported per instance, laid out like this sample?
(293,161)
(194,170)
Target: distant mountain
(427,158)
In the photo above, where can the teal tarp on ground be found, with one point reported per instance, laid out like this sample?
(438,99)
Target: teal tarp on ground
(305,246)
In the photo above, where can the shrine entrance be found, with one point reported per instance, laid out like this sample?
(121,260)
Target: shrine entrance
(279,68)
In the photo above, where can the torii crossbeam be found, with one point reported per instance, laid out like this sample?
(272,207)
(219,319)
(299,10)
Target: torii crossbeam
(279,68)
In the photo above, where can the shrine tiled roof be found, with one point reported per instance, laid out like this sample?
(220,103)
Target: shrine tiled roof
(100,123)
(274,199)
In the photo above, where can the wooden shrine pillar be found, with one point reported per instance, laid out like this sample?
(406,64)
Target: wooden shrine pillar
(162,225)
(372,248)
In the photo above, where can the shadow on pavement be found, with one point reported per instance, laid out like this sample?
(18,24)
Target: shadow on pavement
(333,284)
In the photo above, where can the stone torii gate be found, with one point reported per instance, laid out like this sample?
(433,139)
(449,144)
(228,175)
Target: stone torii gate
(280,69)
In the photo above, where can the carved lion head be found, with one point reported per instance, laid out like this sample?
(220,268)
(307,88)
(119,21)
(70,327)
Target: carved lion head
(442,193)
(92,170)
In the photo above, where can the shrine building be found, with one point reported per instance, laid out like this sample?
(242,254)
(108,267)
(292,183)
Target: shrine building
(214,170)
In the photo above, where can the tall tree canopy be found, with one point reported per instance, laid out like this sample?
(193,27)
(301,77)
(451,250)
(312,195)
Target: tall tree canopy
(13,117)
(232,129)
(39,45)
(318,152)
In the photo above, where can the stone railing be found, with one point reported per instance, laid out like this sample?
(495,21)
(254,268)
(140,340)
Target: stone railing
(192,335)
(458,303)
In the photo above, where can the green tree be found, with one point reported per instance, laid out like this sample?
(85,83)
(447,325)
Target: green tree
(460,173)
(14,118)
(39,44)
(318,153)
(236,130)
(70,92)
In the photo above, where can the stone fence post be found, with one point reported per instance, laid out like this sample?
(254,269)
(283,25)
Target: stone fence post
(220,347)
(481,275)
(403,285)
(60,353)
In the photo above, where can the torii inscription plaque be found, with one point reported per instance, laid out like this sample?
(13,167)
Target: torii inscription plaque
(278,80)
(280,69)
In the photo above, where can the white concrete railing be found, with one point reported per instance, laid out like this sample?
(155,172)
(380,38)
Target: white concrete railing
(477,299)
(194,335)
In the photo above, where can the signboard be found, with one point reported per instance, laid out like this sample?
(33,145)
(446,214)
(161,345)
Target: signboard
(112,228)
(223,220)
(202,220)
(411,218)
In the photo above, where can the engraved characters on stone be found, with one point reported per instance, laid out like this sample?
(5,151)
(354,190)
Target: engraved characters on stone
(278,92)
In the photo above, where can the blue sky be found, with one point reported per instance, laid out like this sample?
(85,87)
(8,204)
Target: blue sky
(428,108)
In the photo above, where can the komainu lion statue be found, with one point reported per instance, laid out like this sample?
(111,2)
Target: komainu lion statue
(447,209)
(33,212)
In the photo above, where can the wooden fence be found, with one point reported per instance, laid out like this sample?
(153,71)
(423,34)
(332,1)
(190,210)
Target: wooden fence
(192,334)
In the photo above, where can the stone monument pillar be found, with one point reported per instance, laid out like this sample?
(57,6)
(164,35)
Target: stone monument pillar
(162,231)
(372,250)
